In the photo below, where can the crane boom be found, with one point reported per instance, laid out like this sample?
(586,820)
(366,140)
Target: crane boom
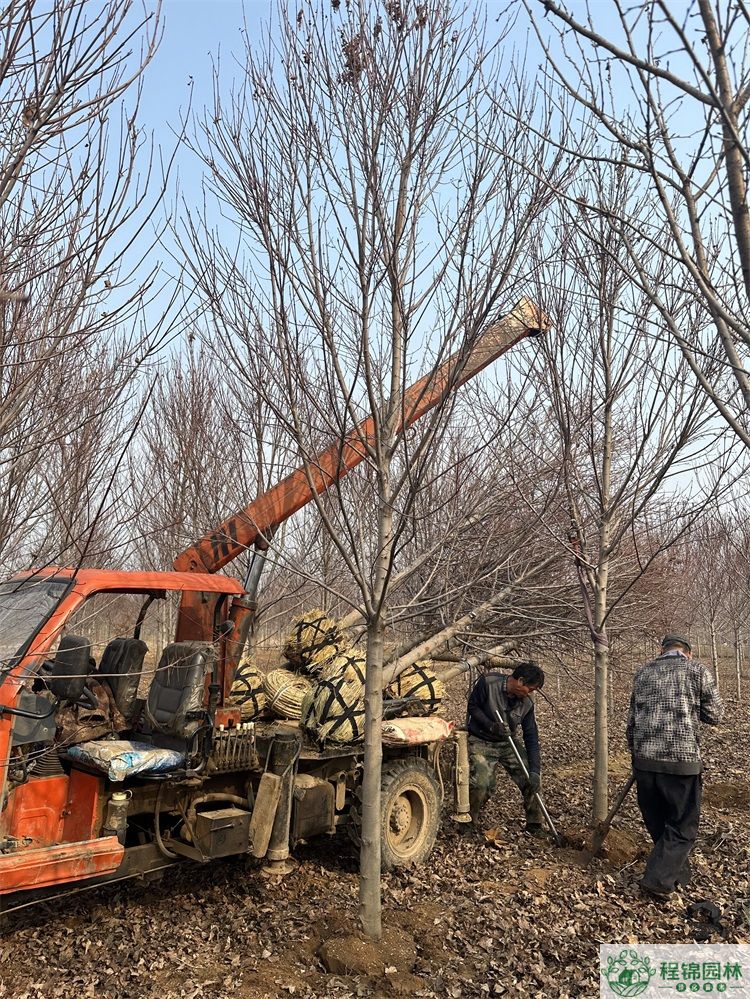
(238,533)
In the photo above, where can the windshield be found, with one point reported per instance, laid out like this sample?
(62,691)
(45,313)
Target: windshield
(24,606)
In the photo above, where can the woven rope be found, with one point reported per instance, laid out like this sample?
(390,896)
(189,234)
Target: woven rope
(334,711)
(247,691)
(349,665)
(285,692)
(313,641)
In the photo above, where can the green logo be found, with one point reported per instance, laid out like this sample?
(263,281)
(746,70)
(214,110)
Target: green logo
(628,974)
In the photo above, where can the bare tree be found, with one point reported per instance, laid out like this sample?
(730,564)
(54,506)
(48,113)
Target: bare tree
(376,234)
(630,427)
(77,188)
(665,88)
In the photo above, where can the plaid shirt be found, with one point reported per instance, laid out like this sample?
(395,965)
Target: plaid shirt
(671,696)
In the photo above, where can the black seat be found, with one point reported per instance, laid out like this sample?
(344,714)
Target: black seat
(175,705)
(168,736)
(121,667)
(70,668)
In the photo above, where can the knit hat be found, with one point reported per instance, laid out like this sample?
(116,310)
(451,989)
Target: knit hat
(674,639)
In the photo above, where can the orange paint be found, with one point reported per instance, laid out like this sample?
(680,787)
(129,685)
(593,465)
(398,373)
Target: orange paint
(82,817)
(59,864)
(36,811)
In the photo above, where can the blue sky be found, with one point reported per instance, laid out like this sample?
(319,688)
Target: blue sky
(195,31)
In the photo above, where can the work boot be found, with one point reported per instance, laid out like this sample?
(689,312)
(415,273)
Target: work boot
(654,891)
(685,876)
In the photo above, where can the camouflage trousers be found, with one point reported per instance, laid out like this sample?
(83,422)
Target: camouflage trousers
(484,758)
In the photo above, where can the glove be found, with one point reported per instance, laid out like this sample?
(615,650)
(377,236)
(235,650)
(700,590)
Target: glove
(497,731)
(535,781)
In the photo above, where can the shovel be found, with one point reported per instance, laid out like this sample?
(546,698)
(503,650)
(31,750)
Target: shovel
(506,731)
(603,827)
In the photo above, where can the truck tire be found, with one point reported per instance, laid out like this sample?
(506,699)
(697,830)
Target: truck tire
(409,814)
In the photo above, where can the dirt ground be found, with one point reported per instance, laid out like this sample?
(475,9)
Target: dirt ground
(489,915)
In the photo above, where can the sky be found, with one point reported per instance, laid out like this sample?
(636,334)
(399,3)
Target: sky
(195,33)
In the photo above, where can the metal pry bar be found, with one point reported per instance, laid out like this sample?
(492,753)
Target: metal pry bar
(524,770)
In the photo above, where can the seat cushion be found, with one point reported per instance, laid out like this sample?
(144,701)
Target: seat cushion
(122,758)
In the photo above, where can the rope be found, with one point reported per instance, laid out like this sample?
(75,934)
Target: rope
(286,692)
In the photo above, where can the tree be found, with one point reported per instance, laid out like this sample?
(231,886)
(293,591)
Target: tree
(76,191)
(665,89)
(629,427)
(377,234)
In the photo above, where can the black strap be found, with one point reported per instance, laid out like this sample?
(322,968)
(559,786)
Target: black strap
(349,712)
(426,680)
(329,637)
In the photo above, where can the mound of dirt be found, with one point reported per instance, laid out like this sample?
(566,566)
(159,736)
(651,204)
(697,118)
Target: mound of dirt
(728,795)
(353,954)
(621,847)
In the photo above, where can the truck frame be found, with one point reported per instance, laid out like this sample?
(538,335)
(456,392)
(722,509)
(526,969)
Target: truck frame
(258,788)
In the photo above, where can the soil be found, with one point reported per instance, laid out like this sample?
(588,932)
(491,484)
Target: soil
(729,796)
(496,915)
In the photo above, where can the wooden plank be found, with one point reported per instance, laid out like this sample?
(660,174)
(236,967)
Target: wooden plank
(264,812)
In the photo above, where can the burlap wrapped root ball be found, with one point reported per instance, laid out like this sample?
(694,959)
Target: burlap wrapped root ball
(334,710)
(347,665)
(285,691)
(248,693)
(419,681)
(313,641)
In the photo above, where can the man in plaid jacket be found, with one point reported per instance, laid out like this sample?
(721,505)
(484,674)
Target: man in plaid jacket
(671,696)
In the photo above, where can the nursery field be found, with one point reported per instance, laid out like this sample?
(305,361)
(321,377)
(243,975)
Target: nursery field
(493,913)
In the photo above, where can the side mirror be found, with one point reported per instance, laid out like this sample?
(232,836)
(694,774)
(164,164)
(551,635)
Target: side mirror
(67,679)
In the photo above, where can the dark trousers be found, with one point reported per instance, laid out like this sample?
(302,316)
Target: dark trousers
(671,806)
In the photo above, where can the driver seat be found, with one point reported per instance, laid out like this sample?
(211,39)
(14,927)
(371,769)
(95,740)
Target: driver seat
(173,717)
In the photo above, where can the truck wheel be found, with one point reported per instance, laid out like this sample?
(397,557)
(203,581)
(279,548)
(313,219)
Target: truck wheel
(410,814)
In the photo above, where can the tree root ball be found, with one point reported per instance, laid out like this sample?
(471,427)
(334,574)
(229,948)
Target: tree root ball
(355,954)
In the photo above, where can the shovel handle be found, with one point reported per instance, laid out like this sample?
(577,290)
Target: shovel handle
(602,829)
(618,801)
(524,770)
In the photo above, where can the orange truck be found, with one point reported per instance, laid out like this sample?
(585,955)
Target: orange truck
(186,779)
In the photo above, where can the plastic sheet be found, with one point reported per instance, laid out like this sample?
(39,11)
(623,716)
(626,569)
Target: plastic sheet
(120,758)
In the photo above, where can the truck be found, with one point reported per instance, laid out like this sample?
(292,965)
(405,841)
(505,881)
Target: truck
(198,782)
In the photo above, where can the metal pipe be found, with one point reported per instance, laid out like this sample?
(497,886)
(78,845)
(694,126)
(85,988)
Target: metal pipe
(284,753)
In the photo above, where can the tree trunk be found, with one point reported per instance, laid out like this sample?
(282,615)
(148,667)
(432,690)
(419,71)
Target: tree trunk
(601,721)
(601,730)
(369,856)
(492,657)
(715,653)
(738,661)
(404,658)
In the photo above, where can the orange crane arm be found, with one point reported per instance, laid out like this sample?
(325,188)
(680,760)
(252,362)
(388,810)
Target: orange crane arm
(236,534)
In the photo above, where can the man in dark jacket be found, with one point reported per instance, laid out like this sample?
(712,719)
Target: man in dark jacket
(488,741)
(671,696)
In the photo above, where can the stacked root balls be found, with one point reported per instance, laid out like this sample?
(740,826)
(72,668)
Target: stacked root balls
(322,684)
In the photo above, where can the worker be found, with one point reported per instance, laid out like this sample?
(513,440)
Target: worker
(489,743)
(671,696)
